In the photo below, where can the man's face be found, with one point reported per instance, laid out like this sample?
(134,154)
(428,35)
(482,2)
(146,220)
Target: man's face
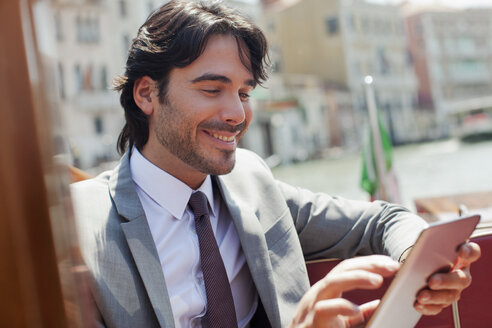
(205,113)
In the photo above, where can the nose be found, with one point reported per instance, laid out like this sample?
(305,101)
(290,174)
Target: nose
(233,111)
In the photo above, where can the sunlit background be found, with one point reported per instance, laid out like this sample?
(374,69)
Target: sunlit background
(431,62)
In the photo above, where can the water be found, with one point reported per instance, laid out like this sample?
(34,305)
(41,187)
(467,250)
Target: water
(424,170)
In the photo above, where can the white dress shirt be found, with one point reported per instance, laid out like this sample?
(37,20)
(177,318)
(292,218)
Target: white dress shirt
(165,202)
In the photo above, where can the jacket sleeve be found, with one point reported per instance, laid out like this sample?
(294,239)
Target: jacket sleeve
(333,227)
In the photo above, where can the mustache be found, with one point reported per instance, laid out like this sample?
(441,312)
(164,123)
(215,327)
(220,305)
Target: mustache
(221,126)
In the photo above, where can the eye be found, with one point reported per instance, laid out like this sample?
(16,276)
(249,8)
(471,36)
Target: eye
(211,91)
(244,96)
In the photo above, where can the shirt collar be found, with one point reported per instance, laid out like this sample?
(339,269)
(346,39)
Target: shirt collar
(166,190)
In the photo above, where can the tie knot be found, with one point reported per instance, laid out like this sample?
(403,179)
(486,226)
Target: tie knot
(199,204)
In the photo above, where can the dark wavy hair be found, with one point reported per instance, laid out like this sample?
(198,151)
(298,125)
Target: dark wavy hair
(174,36)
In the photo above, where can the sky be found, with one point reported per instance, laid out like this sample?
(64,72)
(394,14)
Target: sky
(453,3)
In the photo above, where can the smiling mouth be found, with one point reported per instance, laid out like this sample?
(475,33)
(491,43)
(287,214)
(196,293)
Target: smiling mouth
(224,138)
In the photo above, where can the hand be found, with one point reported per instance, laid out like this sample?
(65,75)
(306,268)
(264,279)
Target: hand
(322,305)
(445,288)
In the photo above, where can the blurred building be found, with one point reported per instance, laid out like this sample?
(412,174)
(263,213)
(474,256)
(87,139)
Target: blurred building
(92,40)
(250,8)
(290,120)
(340,42)
(452,53)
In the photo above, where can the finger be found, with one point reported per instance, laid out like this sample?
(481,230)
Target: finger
(458,279)
(334,284)
(467,254)
(365,312)
(429,309)
(327,309)
(380,264)
(443,297)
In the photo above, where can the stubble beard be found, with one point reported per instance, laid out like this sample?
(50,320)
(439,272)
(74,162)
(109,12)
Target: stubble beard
(175,132)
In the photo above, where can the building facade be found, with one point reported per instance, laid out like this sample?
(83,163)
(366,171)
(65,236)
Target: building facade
(452,54)
(342,41)
(92,41)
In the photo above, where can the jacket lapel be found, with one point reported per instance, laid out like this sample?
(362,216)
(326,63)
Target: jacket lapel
(254,245)
(140,241)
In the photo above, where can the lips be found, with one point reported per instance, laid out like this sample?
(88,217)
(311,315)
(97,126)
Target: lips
(223,137)
(228,137)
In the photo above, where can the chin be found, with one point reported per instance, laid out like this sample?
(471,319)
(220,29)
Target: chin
(221,169)
(219,166)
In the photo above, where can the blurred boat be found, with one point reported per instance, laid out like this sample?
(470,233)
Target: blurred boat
(476,127)
(447,207)
(473,119)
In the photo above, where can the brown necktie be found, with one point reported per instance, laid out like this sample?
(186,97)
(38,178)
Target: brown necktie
(220,304)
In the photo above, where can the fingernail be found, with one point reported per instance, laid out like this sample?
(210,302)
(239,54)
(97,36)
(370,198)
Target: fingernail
(466,251)
(424,296)
(436,281)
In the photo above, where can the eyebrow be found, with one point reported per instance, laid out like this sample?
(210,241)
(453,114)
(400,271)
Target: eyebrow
(220,78)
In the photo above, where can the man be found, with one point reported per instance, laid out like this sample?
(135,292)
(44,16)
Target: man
(145,227)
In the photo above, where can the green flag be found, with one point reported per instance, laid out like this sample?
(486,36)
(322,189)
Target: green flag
(369,180)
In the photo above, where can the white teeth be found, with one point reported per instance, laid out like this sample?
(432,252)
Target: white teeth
(224,138)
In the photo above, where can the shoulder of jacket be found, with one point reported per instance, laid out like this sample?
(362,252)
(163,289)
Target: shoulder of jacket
(248,159)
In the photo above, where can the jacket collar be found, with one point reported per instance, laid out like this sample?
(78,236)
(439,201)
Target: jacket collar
(140,241)
(253,243)
(122,191)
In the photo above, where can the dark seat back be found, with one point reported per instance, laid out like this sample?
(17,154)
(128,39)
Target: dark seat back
(475,305)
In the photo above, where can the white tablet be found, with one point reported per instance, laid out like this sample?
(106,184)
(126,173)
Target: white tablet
(435,250)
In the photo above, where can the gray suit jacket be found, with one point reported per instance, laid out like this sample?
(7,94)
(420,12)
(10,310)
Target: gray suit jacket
(279,227)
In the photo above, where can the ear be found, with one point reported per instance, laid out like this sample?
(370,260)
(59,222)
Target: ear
(143,94)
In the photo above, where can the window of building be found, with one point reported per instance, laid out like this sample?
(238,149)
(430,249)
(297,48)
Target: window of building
(78,78)
(418,29)
(351,22)
(332,25)
(98,125)
(276,59)
(88,82)
(126,43)
(58,27)
(409,60)
(449,45)
(104,78)
(78,28)
(469,69)
(436,71)
(95,36)
(434,47)
(61,81)
(466,45)
(87,29)
(384,64)
(123,8)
